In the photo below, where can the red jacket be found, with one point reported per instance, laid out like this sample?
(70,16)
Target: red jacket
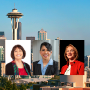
(77,68)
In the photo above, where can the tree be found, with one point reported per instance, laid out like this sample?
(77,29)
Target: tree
(22,87)
(9,85)
(3,82)
(1,88)
(14,86)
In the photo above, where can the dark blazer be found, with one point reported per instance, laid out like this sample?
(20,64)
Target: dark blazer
(51,69)
(10,70)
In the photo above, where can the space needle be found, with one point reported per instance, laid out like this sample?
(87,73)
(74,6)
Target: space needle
(15,15)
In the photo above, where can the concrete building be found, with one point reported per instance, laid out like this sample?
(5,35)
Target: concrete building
(42,35)
(1,34)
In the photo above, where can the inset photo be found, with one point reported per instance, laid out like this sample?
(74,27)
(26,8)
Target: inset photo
(45,57)
(72,57)
(18,57)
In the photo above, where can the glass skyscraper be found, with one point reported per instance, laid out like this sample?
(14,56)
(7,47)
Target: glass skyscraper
(19,31)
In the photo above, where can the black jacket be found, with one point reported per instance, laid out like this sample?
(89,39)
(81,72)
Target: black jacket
(51,69)
(9,69)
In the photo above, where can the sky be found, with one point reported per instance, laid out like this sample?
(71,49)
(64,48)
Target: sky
(67,19)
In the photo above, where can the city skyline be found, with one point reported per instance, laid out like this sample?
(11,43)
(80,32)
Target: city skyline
(64,19)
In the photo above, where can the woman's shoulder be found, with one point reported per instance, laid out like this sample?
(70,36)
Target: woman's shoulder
(55,62)
(36,62)
(9,64)
(26,64)
(65,66)
(79,62)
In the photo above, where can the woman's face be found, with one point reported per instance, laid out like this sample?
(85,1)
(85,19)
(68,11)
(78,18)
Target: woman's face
(18,53)
(45,53)
(70,53)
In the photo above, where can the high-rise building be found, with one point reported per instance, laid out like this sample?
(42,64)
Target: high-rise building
(1,59)
(2,43)
(42,35)
(19,31)
(32,39)
(1,53)
(86,61)
(1,34)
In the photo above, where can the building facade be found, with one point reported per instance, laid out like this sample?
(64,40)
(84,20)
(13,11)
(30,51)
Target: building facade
(42,35)
(2,34)
(88,61)
(2,68)
(32,39)
(2,54)
(19,31)
(2,43)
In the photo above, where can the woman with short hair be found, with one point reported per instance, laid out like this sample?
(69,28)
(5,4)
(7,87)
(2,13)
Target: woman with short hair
(45,66)
(17,66)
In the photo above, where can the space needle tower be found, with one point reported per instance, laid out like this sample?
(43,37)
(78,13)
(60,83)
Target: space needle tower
(14,15)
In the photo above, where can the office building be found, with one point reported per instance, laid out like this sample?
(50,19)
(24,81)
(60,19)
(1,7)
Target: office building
(86,61)
(32,39)
(19,34)
(1,34)
(2,43)
(2,54)
(42,35)
(2,68)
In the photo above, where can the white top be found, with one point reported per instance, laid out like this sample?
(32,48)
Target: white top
(67,72)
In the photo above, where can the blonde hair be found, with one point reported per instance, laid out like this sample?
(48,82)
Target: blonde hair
(76,52)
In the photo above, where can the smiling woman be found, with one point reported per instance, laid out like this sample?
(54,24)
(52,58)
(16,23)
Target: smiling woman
(45,66)
(73,66)
(17,66)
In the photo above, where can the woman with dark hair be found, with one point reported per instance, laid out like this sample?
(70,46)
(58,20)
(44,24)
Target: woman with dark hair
(73,66)
(17,66)
(45,66)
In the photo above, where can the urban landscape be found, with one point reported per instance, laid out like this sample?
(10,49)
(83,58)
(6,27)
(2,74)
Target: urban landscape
(17,32)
